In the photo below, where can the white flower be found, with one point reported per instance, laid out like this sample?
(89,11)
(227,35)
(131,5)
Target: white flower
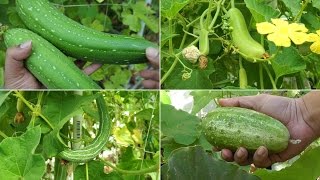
(191,53)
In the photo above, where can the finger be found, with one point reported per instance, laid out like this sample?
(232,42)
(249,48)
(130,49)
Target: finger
(150,74)
(150,84)
(260,157)
(227,155)
(15,56)
(241,156)
(153,57)
(249,102)
(92,68)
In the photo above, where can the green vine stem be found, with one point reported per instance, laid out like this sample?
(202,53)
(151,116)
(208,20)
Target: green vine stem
(132,172)
(3,134)
(232,4)
(261,76)
(167,74)
(37,109)
(216,15)
(304,5)
(270,76)
(170,39)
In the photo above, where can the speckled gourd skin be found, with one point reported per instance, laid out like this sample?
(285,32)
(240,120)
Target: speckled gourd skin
(77,40)
(234,127)
(48,64)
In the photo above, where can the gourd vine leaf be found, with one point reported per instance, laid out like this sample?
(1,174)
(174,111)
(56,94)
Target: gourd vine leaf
(18,158)
(183,127)
(306,167)
(195,163)
(261,11)
(170,8)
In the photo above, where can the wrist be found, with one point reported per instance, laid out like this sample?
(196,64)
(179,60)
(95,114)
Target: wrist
(310,107)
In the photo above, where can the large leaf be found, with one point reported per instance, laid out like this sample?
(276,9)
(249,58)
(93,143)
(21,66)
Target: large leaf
(3,96)
(261,11)
(288,61)
(293,5)
(17,157)
(202,98)
(170,8)
(96,171)
(194,163)
(180,125)
(306,167)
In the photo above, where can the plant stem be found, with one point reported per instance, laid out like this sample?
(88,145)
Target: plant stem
(3,134)
(87,172)
(261,76)
(132,172)
(232,4)
(216,15)
(304,5)
(170,39)
(270,76)
(167,74)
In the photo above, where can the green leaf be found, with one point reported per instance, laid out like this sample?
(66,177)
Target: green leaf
(3,96)
(199,78)
(195,163)
(288,61)
(17,158)
(96,171)
(293,5)
(202,98)
(164,97)
(306,167)
(4,1)
(131,20)
(316,4)
(180,125)
(170,8)
(261,11)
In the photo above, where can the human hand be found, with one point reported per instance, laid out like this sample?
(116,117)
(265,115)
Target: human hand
(293,113)
(18,77)
(151,76)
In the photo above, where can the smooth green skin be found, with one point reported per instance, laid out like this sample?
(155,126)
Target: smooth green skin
(242,38)
(243,79)
(234,127)
(96,146)
(77,40)
(48,64)
(204,42)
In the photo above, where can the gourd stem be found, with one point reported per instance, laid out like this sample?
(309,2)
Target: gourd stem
(216,15)
(270,76)
(261,76)
(132,172)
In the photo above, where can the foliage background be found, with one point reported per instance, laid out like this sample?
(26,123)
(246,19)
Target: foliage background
(115,16)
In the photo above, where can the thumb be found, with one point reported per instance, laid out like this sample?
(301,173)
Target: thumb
(16,55)
(153,57)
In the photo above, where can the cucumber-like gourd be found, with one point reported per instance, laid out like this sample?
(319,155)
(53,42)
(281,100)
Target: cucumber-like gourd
(77,40)
(49,65)
(204,42)
(92,150)
(234,127)
(248,47)
(243,79)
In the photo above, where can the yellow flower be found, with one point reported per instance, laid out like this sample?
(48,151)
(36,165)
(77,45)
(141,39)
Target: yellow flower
(282,33)
(315,38)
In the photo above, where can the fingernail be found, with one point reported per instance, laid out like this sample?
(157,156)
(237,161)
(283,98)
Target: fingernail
(152,52)
(25,45)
